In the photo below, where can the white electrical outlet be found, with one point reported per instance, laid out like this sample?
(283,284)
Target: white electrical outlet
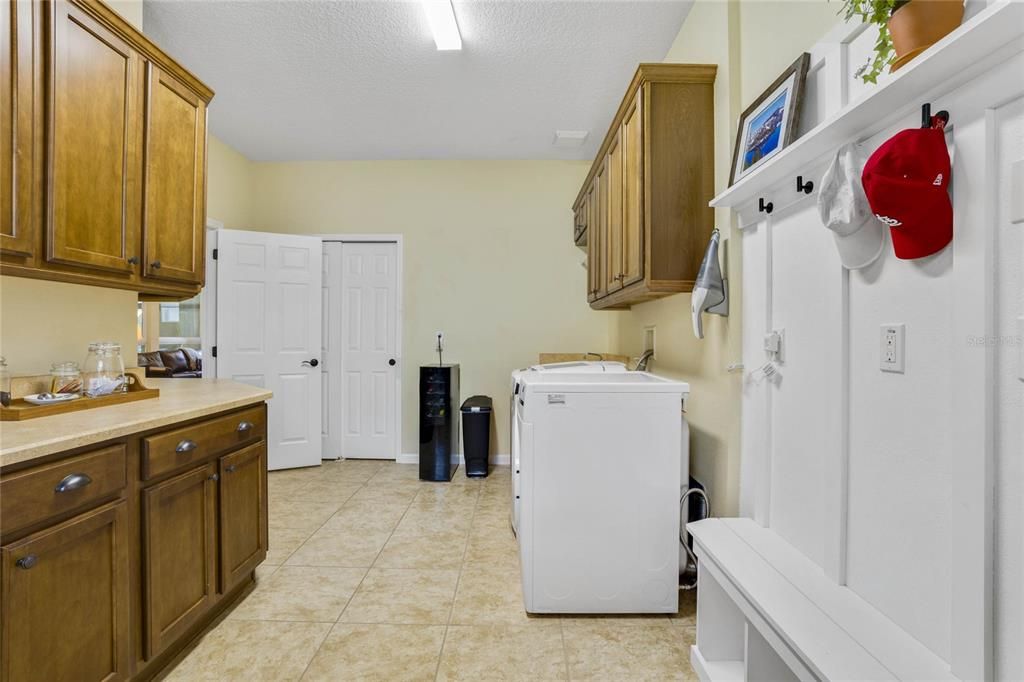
(438,340)
(893,342)
(650,339)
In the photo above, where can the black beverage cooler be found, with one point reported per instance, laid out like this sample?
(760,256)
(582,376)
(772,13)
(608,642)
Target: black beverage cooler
(439,421)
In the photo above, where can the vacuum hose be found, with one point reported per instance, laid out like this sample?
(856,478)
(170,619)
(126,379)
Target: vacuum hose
(688,578)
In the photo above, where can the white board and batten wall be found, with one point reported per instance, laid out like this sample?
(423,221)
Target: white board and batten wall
(905,488)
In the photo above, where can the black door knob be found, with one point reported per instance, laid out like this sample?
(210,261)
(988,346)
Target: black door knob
(391,362)
(311,363)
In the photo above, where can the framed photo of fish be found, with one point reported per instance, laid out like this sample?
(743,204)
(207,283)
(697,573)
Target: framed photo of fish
(769,125)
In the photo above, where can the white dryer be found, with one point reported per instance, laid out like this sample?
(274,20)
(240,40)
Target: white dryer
(599,468)
(576,367)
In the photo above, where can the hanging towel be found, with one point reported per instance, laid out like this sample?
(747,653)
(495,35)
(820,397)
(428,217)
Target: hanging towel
(709,289)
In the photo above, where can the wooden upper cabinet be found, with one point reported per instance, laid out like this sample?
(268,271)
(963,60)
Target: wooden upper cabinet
(174,221)
(633,193)
(655,170)
(94,135)
(179,545)
(102,152)
(243,514)
(72,583)
(17,221)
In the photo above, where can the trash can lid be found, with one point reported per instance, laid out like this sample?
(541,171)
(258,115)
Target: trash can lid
(477,403)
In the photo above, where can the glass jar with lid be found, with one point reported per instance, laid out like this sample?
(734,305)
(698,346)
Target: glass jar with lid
(65,377)
(5,384)
(103,372)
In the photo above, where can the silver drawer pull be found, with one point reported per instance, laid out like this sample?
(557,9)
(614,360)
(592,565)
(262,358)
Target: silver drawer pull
(72,482)
(186,446)
(27,562)
(230,469)
(244,426)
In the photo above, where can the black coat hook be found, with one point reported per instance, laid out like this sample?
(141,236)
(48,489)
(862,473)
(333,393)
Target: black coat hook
(805,187)
(926,116)
(765,207)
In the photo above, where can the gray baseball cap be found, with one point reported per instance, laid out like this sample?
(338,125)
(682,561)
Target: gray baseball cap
(844,209)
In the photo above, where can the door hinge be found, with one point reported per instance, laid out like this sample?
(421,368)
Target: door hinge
(215,252)
(213,351)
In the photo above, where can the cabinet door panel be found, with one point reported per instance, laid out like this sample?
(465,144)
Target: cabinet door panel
(178,536)
(174,222)
(243,514)
(17,226)
(613,244)
(602,230)
(593,241)
(633,192)
(66,606)
(94,144)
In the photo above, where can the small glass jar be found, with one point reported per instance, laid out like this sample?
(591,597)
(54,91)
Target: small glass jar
(5,384)
(65,377)
(103,372)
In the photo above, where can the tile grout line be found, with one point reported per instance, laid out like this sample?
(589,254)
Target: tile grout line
(455,594)
(349,600)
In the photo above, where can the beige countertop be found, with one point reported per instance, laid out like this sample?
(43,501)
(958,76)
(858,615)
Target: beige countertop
(180,400)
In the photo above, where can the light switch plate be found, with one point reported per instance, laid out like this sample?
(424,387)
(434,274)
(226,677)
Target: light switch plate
(1020,348)
(893,345)
(1016,195)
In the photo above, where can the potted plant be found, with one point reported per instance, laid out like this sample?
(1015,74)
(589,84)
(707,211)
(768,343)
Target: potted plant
(906,28)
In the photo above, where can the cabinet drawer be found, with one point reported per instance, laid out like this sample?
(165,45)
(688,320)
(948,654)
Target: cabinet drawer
(35,495)
(172,450)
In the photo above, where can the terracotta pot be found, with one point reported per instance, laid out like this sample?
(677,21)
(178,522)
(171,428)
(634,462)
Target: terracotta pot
(919,24)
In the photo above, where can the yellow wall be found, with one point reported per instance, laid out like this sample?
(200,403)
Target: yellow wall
(229,185)
(764,37)
(489,258)
(45,322)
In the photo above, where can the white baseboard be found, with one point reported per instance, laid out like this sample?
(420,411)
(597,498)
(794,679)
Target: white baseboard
(414,458)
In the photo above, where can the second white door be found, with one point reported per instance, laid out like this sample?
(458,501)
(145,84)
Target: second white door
(361,284)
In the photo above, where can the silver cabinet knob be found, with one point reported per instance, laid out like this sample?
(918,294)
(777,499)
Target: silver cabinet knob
(155,265)
(215,477)
(72,482)
(230,469)
(186,446)
(244,426)
(27,562)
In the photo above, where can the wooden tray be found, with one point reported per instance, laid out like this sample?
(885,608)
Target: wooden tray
(20,410)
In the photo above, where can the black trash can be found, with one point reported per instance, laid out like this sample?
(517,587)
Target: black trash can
(476,434)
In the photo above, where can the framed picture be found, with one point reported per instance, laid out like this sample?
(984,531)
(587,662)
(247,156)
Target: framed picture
(770,123)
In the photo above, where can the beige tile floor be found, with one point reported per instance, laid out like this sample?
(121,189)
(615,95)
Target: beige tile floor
(372,574)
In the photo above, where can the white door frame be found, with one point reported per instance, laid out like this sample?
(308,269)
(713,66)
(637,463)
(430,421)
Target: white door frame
(397,240)
(208,301)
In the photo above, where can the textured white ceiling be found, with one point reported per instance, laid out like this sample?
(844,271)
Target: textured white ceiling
(311,80)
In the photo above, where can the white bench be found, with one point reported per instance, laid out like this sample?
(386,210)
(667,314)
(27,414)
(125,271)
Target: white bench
(766,612)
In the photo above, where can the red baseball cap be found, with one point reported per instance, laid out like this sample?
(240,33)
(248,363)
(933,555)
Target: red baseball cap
(906,182)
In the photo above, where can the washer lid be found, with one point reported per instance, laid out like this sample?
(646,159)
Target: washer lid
(615,382)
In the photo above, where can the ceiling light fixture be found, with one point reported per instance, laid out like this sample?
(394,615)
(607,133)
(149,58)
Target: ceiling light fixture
(570,138)
(441,17)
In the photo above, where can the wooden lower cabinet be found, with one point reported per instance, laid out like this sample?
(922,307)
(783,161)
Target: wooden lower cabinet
(179,539)
(65,613)
(112,582)
(243,514)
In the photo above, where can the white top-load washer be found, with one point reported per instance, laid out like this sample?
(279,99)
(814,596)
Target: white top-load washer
(574,367)
(599,462)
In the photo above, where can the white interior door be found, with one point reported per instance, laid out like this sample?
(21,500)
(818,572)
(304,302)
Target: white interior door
(363,335)
(268,334)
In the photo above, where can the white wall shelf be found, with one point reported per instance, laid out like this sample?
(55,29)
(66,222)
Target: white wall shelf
(956,59)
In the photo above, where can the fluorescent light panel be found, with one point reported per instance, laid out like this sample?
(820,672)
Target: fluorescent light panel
(441,17)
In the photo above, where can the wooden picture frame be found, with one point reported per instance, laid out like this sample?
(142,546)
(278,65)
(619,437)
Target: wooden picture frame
(777,112)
